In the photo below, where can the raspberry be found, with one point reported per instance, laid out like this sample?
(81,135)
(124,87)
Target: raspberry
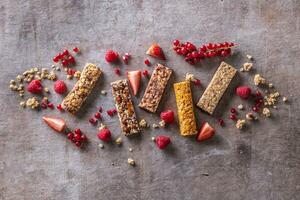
(35,87)
(111,56)
(244,92)
(104,135)
(162,141)
(167,116)
(60,87)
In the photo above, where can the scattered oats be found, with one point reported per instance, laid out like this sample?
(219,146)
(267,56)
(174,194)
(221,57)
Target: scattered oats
(153,139)
(258,79)
(19,78)
(249,57)
(242,70)
(35,69)
(155,126)
(240,107)
(52,76)
(275,107)
(240,123)
(131,162)
(101,146)
(12,82)
(32,103)
(143,123)
(103,92)
(23,104)
(266,112)
(46,89)
(284,99)
(271,85)
(37,77)
(77,74)
(189,77)
(12,87)
(38,73)
(118,141)
(250,116)
(69,77)
(130,150)
(21,94)
(247,66)
(102,126)
(162,124)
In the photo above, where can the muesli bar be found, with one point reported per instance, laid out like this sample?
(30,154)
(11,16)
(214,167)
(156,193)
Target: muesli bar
(83,87)
(216,88)
(124,105)
(155,88)
(186,115)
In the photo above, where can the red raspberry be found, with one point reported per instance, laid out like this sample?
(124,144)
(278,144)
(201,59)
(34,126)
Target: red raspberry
(35,87)
(167,116)
(162,141)
(244,92)
(111,56)
(60,87)
(104,135)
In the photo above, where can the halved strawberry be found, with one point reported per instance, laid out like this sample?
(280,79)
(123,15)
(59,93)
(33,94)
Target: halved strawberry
(134,78)
(206,132)
(156,51)
(56,123)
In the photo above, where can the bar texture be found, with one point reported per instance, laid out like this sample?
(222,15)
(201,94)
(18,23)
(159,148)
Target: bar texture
(155,88)
(124,105)
(83,87)
(216,88)
(186,115)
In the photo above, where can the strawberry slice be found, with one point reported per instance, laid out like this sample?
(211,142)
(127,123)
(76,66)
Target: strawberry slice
(156,52)
(134,78)
(56,123)
(206,132)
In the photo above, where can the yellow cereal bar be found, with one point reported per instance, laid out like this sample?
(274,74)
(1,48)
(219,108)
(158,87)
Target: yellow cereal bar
(83,87)
(184,101)
(216,88)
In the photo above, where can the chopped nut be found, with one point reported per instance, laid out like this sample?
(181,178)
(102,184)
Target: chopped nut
(21,94)
(46,89)
(258,79)
(155,126)
(69,77)
(130,150)
(118,141)
(271,85)
(101,145)
(240,123)
(250,116)
(143,123)
(153,139)
(189,77)
(240,107)
(247,66)
(284,99)
(52,76)
(102,126)
(12,82)
(249,57)
(23,104)
(266,112)
(32,102)
(271,99)
(19,78)
(131,162)
(103,92)
(162,124)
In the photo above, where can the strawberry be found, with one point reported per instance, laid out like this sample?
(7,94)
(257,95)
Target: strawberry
(134,78)
(205,132)
(104,135)
(244,92)
(35,87)
(156,51)
(162,141)
(60,87)
(167,116)
(56,123)
(111,56)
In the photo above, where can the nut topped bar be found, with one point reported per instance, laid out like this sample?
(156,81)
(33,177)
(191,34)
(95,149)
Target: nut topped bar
(216,88)
(127,117)
(83,87)
(155,88)
(184,101)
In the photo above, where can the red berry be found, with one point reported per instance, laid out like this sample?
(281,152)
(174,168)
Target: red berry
(203,48)
(77,137)
(110,112)
(190,47)
(162,141)
(76,49)
(83,137)
(78,143)
(257,93)
(98,115)
(65,52)
(244,92)
(209,46)
(60,87)
(50,105)
(125,59)
(176,42)
(35,87)
(104,135)
(111,56)
(59,107)
(117,71)
(197,82)
(145,73)
(100,109)
(71,59)
(233,110)
(167,116)
(70,136)
(233,117)
(77,131)
(92,121)
(147,62)
(71,71)
(221,122)
(44,106)
(255,108)
(184,50)
(55,59)
(127,55)
(64,63)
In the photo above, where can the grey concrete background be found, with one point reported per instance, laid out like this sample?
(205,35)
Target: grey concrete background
(261,162)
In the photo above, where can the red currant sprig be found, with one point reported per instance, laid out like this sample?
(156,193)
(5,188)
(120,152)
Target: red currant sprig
(194,55)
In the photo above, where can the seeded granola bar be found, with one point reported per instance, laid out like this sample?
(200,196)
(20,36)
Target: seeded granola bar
(83,87)
(216,88)
(155,88)
(124,105)
(187,121)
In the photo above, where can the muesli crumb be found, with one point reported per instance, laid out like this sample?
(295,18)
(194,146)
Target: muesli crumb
(189,77)
(258,79)
(266,112)
(119,141)
(240,107)
(162,124)
(143,123)
(247,66)
(155,126)
(153,139)
(249,57)
(103,92)
(284,99)
(240,123)
(250,116)
(131,162)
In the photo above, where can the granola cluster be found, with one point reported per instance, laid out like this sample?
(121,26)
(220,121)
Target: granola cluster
(258,79)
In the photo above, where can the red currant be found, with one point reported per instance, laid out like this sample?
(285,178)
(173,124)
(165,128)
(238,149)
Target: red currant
(78,143)
(117,71)
(221,122)
(50,105)
(71,59)
(76,49)
(233,110)
(145,73)
(55,59)
(233,117)
(100,109)
(83,137)
(77,131)
(65,52)
(255,108)
(125,59)
(70,136)
(176,42)
(92,121)
(147,62)
(98,115)
(59,107)
(197,82)
(64,63)
(77,137)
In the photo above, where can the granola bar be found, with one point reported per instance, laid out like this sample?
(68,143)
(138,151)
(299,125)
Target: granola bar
(124,105)
(187,121)
(216,88)
(83,87)
(155,88)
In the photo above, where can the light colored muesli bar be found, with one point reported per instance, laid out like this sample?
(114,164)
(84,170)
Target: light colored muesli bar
(216,88)
(83,87)
(155,88)
(124,105)
(184,101)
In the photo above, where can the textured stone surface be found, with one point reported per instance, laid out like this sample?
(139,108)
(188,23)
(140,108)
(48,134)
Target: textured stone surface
(261,162)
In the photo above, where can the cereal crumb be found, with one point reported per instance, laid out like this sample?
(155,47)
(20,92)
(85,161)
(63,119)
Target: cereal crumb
(77,74)
(155,126)
(52,76)
(284,99)
(119,141)
(131,162)
(271,85)
(242,69)
(271,99)
(101,146)
(143,123)
(189,77)
(247,66)
(240,107)
(130,150)
(249,57)
(162,124)
(102,126)
(250,116)
(153,139)
(46,89)
(23,104)
(69,77)
(240,123)
(266,112)
(32,103)
(103,92)
(258,79)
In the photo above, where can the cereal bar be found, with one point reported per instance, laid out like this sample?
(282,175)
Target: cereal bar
(155,88)
(127,117)
(186,116)
(83,87)
(216,88)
